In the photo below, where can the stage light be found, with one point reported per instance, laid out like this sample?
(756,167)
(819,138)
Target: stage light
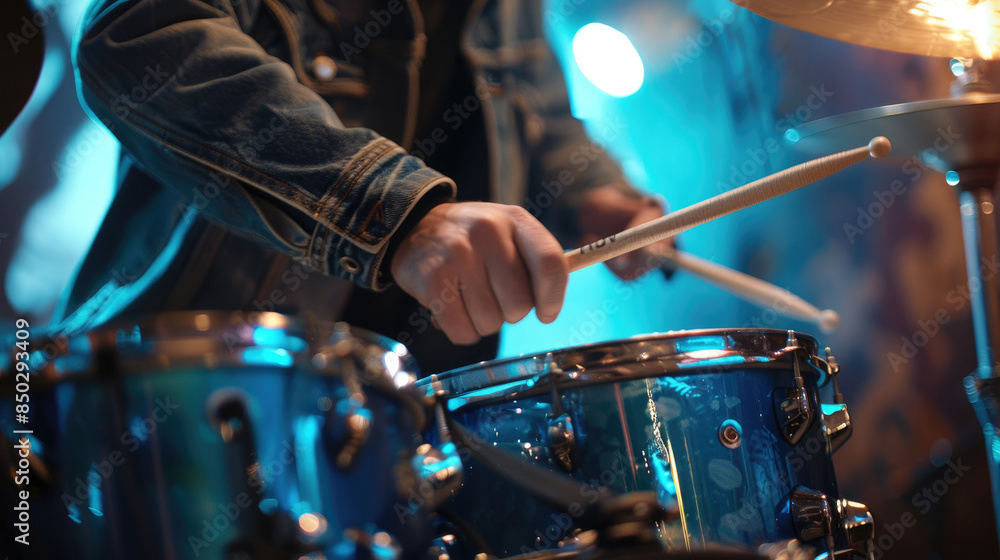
(608,59)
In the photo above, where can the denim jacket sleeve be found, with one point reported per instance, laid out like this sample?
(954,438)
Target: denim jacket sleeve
(205,109)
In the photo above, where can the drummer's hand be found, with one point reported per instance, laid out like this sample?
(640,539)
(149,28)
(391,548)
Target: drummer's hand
(607,211)
(477,264)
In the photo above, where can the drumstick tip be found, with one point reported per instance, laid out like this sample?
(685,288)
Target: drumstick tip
(879,147)
(829,320)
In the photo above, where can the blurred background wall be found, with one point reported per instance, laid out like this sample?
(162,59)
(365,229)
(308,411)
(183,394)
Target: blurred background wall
(720,88)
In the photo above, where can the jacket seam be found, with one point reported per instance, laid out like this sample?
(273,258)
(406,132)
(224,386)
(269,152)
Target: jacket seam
(388,147)
(147,128)
(354,162)
(257,179)
(424,189)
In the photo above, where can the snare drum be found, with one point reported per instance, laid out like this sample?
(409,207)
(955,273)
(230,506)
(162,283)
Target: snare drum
(219,435)
(727,426)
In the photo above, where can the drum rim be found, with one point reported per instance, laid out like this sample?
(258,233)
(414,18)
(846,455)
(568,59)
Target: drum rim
(600,372)
(163,335)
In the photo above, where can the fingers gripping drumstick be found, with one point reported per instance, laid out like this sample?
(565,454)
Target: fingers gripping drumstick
(707,210)
(753,289)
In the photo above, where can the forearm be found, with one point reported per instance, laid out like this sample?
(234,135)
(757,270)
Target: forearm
(192,96)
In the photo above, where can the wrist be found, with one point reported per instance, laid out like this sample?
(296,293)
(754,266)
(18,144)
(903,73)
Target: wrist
(419,211)
(609,210)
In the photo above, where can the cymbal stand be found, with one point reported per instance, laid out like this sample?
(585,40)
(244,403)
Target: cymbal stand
(978,210)
(979,230)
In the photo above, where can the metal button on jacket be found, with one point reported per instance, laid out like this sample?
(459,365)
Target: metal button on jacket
(324,67)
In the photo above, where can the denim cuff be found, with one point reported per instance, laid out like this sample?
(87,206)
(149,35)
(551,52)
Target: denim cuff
(360,213)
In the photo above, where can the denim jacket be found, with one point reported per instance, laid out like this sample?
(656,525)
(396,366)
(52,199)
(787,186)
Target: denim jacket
(280,129)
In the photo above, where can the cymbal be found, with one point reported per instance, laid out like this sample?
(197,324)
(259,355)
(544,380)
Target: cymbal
(952,28)
(946,134)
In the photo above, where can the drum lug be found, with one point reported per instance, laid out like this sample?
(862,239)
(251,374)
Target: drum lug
(811,515)
(439,469)
(832,371)
(439,472)
(229,413)
(355,420)
(349,421)
(836,425)
(836,420)
(561,437)
(857,520)
(793,413)
(562,443)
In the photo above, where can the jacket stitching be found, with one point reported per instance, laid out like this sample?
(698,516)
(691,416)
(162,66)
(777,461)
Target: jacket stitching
(363,172)
(348,169)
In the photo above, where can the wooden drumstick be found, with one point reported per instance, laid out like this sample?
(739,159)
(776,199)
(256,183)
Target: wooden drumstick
(737,199)
(752,289)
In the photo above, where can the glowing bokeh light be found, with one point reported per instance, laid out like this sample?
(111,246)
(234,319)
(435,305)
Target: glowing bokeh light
(951,178)
(59,228)
(957,66)
(608,59)
(309,523)
(12,141)
(969,21)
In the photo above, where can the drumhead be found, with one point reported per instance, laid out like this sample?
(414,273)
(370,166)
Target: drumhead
(675,353)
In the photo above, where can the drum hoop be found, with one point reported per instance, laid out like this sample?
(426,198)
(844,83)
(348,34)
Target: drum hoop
(536,386)
(173,340)
(759,348)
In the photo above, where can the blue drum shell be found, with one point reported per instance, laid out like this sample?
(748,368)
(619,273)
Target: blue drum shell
(651,424)
(142,467)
